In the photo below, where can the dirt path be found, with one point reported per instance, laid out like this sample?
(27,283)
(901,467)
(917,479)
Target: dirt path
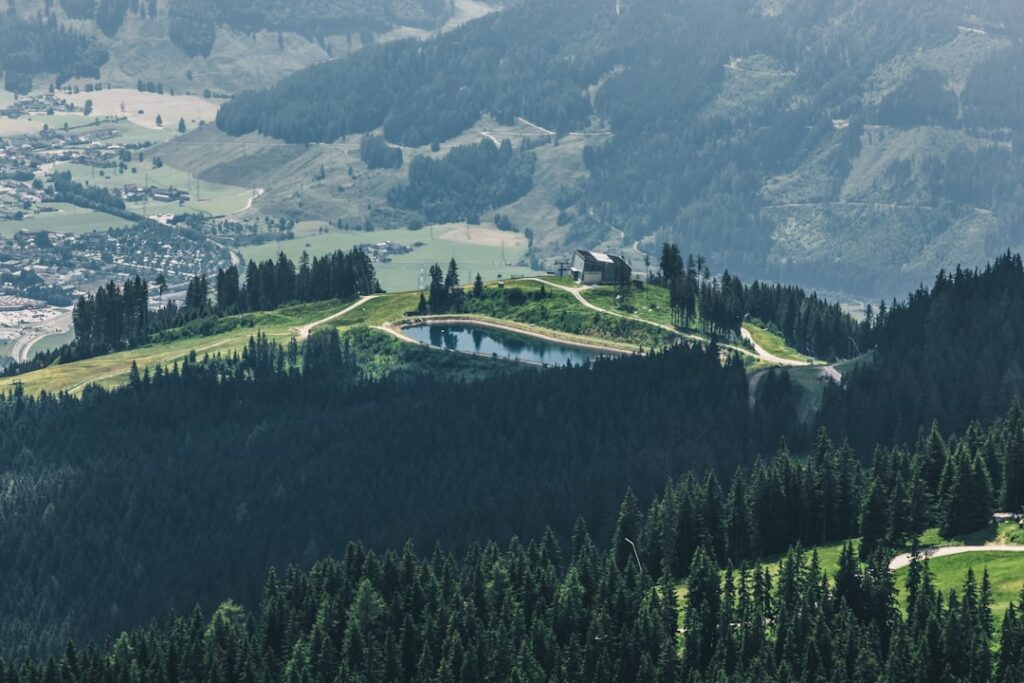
(248,205)
(540,129)
(303,332)
(769,357)
(901,561)
(577,292)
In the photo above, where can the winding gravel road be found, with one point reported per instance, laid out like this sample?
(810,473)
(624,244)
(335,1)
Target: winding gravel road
(303,332)
(901,561)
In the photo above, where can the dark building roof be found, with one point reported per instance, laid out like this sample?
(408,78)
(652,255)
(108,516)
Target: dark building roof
(600,260)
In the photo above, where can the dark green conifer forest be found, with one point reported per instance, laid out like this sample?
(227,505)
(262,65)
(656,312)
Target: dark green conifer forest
(176,494)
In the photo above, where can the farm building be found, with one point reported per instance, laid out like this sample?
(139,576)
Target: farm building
(595,268)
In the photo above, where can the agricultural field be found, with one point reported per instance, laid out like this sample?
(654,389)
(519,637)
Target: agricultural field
(128,131)
(476,249)
(125,102)
(207,198)
(329,181)
(66,218)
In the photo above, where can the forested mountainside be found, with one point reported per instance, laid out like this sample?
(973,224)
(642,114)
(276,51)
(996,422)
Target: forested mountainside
(519,615)
(193,25)
(187,485)
(38,45)
(853,146)
(183,487)
(541,613)
(194,22)
(951,353)
(223,45)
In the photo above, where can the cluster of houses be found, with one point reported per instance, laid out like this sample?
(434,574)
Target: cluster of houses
(36,105)
(17,198)
(137,193)
(27,153)
(381,252)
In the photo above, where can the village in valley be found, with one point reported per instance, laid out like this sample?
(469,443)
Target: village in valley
(59,242)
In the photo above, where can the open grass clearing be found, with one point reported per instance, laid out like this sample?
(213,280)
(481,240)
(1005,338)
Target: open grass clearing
(1005,573)
(1006,569)
(113,369)
(207,198)
(129,102)
(66,218)
(773,343)
(1006,533)
(650,303)
(128,132)
(404,271)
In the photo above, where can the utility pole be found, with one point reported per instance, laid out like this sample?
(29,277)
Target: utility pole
(636,555)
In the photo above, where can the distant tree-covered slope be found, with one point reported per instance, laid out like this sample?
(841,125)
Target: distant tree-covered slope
(423,93)
(466,182)
(855,146)
(952,354)
(194,22)
(218,45)
(42,46)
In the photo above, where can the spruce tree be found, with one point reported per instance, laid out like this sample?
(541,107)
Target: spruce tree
(875,521)
(701,613)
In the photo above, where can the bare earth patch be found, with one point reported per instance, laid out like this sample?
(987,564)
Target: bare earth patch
(480,235)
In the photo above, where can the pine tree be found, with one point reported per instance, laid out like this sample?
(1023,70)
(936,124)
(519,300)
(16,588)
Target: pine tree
(701,613)
(875,523)
(1012,494)
(738,526)
(626,539)
(848,579)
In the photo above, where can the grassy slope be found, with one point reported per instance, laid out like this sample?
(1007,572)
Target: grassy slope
(773,343)
(652,305)
(560,316)
(66,218)
(113,369)
(1006,569)
(351,192)
(402,273)
(212,198)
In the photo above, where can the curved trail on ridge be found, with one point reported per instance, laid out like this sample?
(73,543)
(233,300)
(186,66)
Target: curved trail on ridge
(577,293)
(303,332)
(903,560)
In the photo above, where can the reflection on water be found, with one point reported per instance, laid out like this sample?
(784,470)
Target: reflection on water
(469,338)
